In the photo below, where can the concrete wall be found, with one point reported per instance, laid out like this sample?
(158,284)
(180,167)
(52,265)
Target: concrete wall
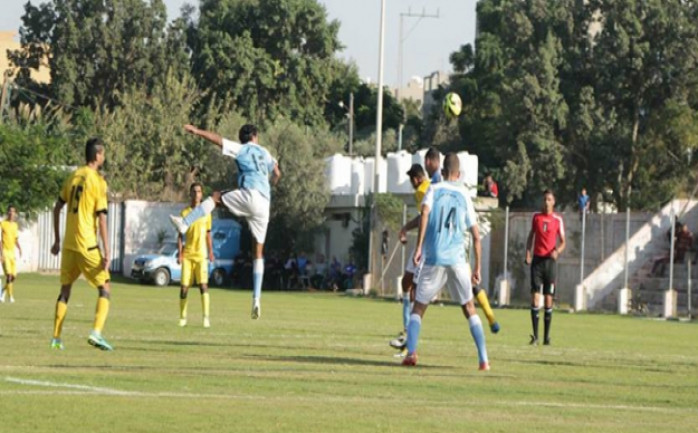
(605,233)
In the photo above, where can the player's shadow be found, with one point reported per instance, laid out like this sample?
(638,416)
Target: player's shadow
(314,359)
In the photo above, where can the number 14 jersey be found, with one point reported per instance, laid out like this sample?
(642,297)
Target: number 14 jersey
(85,194)
(451,214)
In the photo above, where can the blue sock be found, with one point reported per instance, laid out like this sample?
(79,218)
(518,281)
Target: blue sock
(479,337)
(205,208)
(405,311)
(413,329)
(257,277)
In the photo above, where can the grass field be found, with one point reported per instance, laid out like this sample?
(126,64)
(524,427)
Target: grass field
(320,363)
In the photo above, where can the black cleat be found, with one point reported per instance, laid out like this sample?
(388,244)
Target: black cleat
(534,341)
(546,341)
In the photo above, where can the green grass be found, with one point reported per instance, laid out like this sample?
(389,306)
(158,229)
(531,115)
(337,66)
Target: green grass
(321,363)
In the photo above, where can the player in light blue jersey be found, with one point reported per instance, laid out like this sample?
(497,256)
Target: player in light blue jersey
(251,200)
(447,213)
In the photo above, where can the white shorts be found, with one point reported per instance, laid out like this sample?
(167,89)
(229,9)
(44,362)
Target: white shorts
(411,268)
(433,278)
(252,206)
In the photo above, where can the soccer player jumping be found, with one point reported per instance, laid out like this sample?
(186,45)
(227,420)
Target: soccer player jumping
(447,213)
(251,200)
(546,228)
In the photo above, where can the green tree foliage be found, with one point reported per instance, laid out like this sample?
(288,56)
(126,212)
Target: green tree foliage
(267,58)
(32,162)
(570,93)
(98,48)
(300,197)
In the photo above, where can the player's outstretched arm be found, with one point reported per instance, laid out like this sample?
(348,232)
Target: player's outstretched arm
(423,219)
(55,249)
(208,135)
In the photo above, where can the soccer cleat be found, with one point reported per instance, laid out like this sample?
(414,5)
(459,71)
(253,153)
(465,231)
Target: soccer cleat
(534,340)
(256,310)
(484,366)
(546,341)
(207,323)
(494,327)
(98,341)
(398,342)
(410,360)
(402,353)
(2,296)
(56,344)
(182,323)
(12,300)
(178,223)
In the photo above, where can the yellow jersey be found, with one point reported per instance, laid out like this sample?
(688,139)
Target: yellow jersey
(195,247)
(10,231)
(420,192)
(85,193)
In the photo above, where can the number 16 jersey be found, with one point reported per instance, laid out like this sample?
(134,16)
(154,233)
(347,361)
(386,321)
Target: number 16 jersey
(451,214)
(85,194)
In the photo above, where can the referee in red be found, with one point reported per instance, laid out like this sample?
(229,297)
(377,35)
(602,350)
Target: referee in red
(542,251)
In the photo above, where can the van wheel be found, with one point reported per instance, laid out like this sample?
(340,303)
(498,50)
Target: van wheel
(218,277)
(161,277)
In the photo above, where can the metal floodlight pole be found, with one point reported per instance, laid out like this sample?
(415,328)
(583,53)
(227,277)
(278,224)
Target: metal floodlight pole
(671,250)
(351,123)
(627,247)
(506,243)
(581,259)
(379,122)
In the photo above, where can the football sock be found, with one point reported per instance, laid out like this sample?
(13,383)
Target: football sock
(10,287)
(405,311)
(61,311)
(413,329)
(101,313)
(547,320)
(535,316)
(257,277)
(479,337)
(205,303)
(205,208)
(485,305)
(182,308)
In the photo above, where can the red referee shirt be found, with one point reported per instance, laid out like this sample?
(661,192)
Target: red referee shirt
(546,228)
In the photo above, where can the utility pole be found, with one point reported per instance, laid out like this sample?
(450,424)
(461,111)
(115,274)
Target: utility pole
(402,39)
(351,123)
(3,94)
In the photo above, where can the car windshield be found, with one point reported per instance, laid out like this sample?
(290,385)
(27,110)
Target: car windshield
(167,249)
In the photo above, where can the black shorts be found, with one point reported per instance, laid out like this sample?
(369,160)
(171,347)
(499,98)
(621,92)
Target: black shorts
(543,274)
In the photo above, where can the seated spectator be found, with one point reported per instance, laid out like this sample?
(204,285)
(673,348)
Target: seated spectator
(683,243)
(490,186)
(318,277)
(302,262)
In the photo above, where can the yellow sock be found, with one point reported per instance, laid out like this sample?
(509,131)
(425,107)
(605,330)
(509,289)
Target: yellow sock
(61,311)
(10,289)
(485,305)
(101,313)
(183,308)
(205,303)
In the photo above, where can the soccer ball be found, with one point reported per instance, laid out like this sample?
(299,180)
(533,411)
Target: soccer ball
(452,105)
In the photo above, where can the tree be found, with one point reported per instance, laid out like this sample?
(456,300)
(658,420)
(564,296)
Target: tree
(97,48)
(33,161)
(267,58)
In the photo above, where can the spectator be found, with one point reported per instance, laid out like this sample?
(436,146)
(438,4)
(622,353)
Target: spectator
(583,202)
(490,186)
(302,262)
(683,243)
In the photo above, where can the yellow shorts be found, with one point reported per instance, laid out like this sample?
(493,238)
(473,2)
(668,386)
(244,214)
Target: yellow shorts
(74,263)
(194,271)
(9,266)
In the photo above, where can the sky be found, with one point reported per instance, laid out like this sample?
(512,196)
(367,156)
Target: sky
(427,42)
